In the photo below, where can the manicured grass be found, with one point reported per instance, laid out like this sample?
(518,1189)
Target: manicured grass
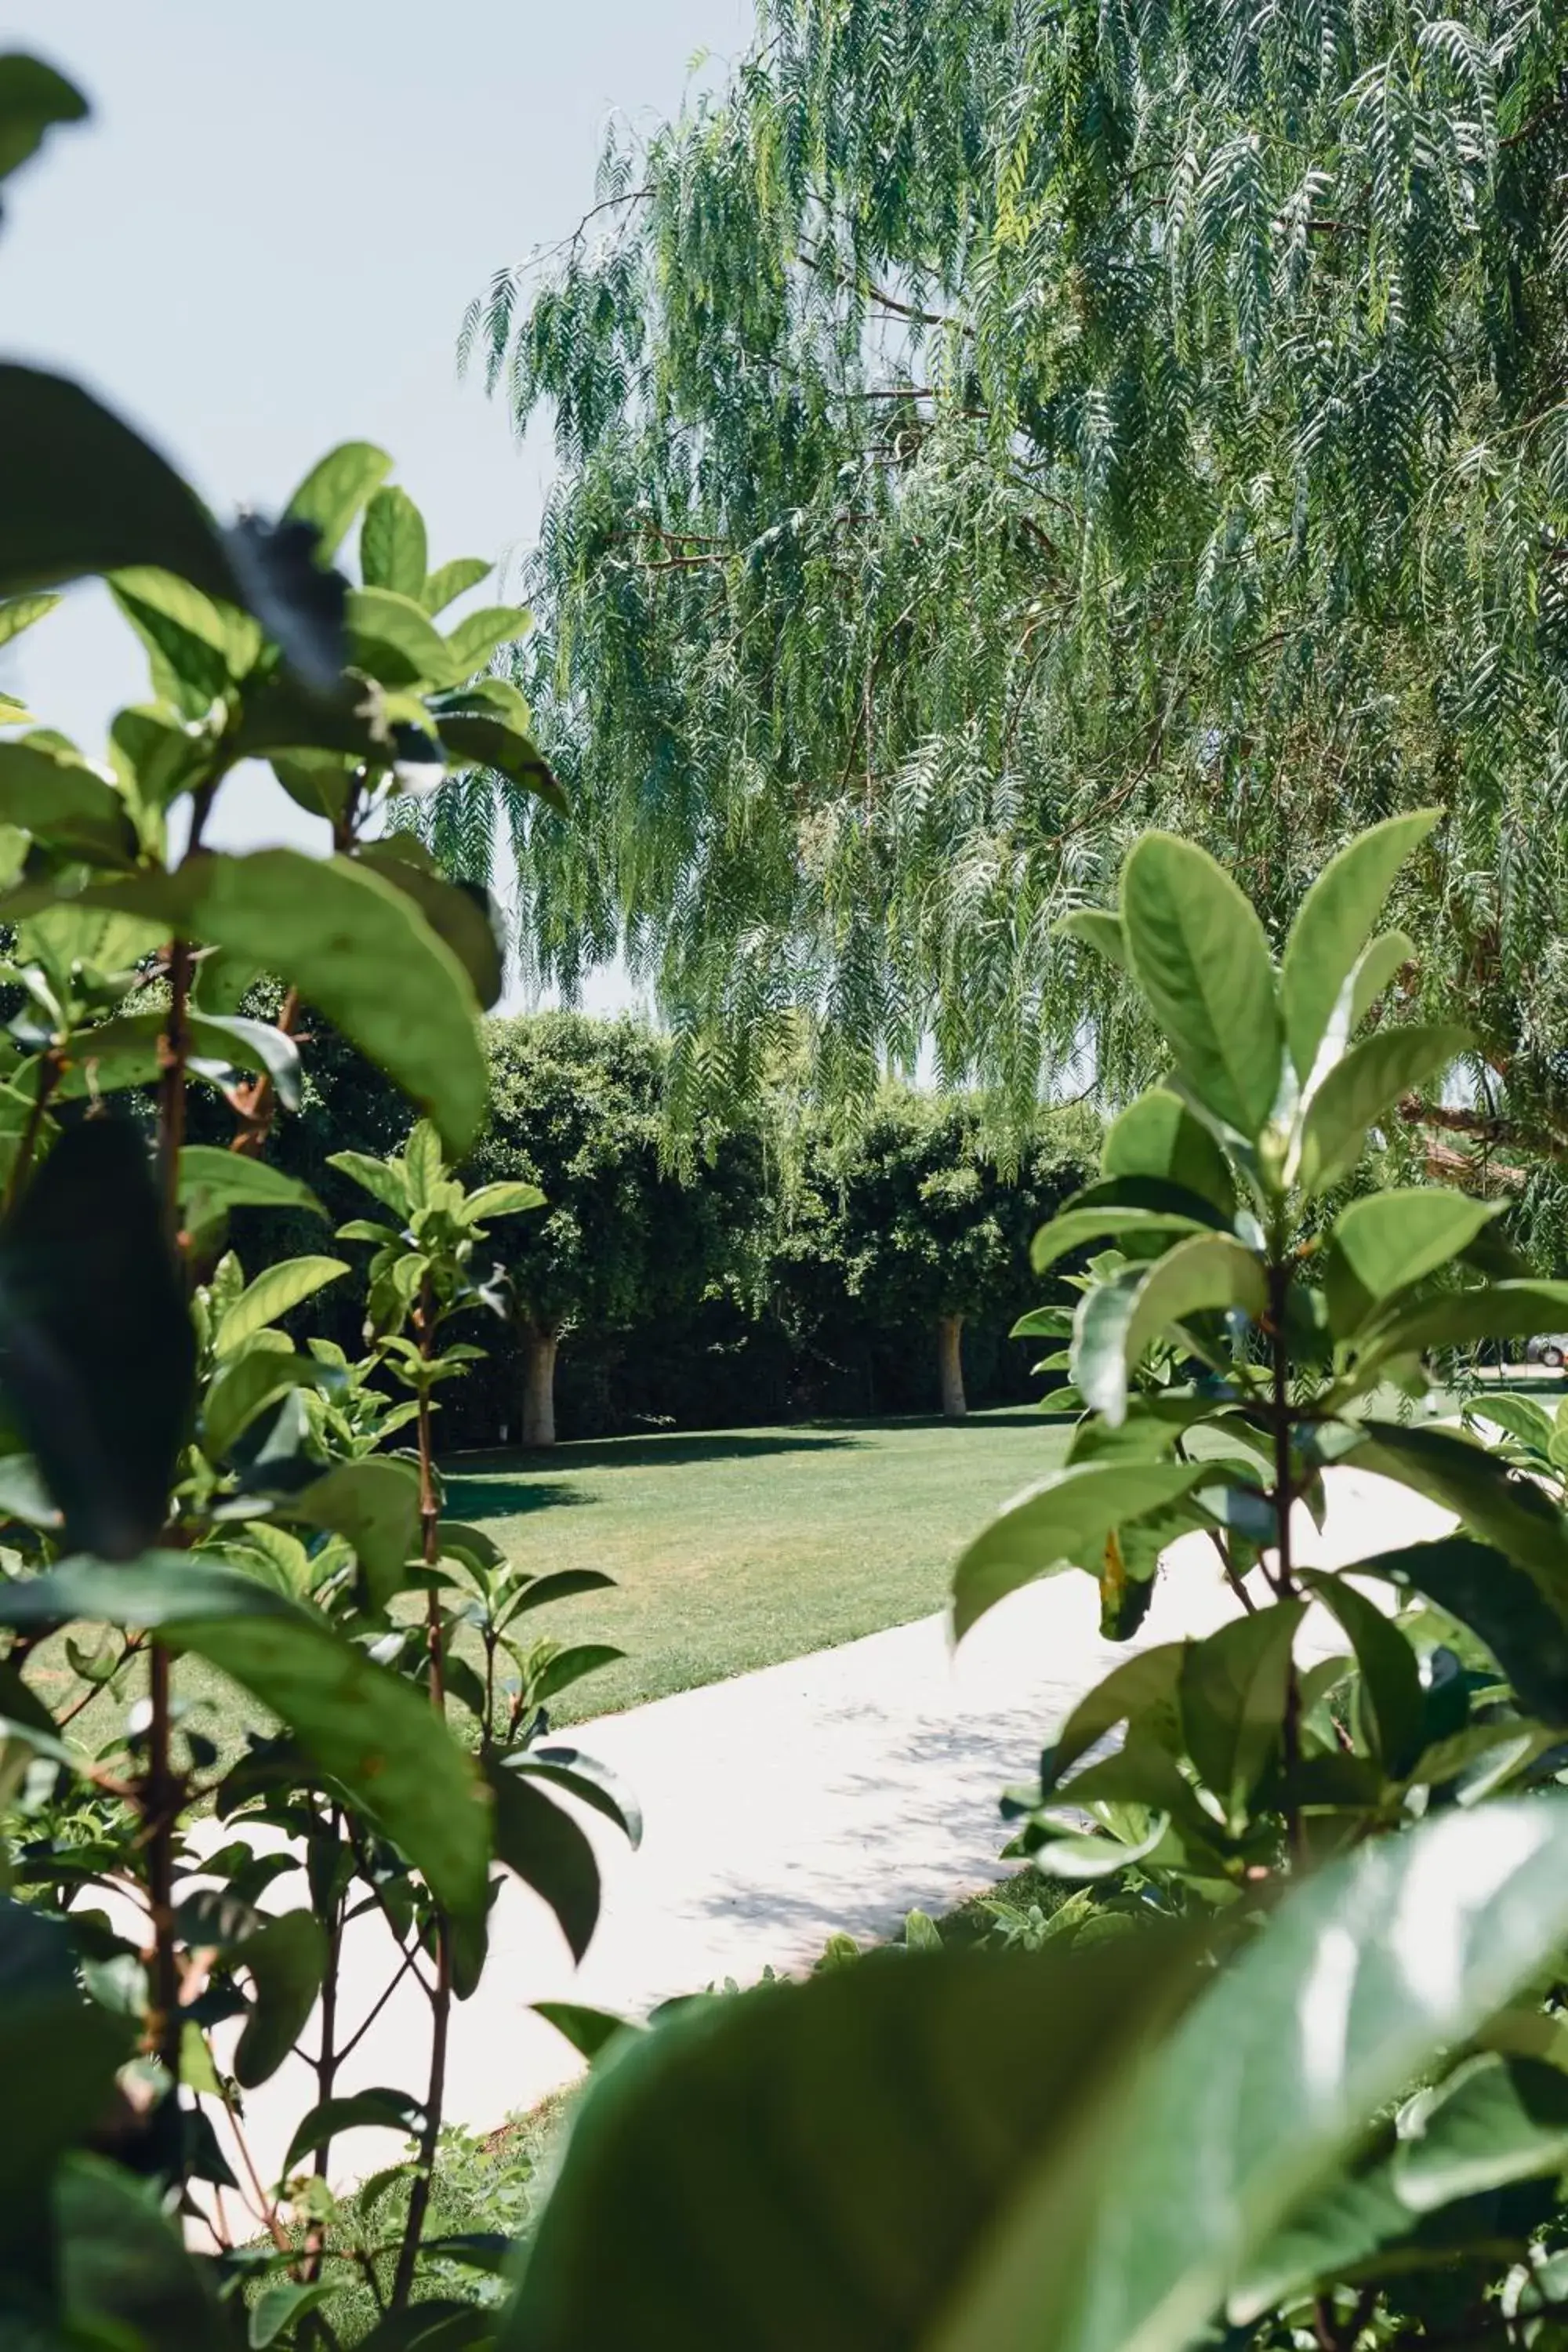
(748,1547)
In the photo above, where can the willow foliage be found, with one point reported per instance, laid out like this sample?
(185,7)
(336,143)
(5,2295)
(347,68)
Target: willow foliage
(989,425)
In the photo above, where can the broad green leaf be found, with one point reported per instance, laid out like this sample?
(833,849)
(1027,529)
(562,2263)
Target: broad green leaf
(1491,1310)
(737,2220)
(562,1585)
(1493,2121)
(334,490)
(1525,1417)
(58,2054)
(279,2305)
(450,581)
(126,2278)
(1503,1508)
(395,639)
(378,2109)
(588,2031)
(1335,924)
(273,1293)
(504,1200)
(1499,1602)
(1384,956)
(212,1181)
(1141,1687)
(287,1959)
(1232,1690)
(547,1850)
(245,1384)
(1075,1227)
(155,756)
(1392,1704)
(97,1350)
(1098,929)
(1391,1239)
(1061,1523)
(23,611)
(1198,952)
(1158,1136)
(1365,1972)
(463,913)
(199,648)
(374,1504)
(570,1665)
(1363,1088)
(308,736)
(1119,1321)
(354,946)
(34,99)
(369,1730)
(359,1723)
(61,800)
(585,1779)
(1329,2236)
(477,635)
(392,549)
(85,495)
(486,742)
(384,1179)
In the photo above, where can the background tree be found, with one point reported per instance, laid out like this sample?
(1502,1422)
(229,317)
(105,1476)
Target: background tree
(576,1106)
(987,429)
(926,1229)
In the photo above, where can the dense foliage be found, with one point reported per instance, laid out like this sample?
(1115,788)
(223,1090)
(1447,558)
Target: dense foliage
(987,428)
(1301,2078)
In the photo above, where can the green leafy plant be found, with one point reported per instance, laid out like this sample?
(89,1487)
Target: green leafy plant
(184,1490)
(1241,2102)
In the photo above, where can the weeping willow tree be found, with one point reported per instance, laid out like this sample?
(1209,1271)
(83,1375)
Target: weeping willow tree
(988,427)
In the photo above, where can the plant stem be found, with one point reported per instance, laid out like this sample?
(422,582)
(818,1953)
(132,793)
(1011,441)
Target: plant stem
(257,1104)
(326,2061)
(48,1079)
(159,1806)
(441,1998)
(1284,1496)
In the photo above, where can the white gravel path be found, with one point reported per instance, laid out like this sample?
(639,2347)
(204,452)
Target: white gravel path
(834,1792)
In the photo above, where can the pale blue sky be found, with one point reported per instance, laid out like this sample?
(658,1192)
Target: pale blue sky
(265,241)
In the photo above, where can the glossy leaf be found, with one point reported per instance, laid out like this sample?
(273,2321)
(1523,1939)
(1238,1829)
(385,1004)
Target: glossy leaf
(58,2054)
(1393,1704)
(1497,1601)
(1492,1310)
(1112,1219)
(245,1385)
(34,100)
(286,1958)
(1198,952)
(392,549)
(395,639)
(450,581)
(379,2109)
(335,489)
(1336,923)
(1061,1523)
(588,2031)
(272,1295)
(583,1777)
(1098,929)
(85,495)
(699,2152)
(1363,1088)
(1503,1508)
(570,1665)
(97,1351)
(479,634)
(211,1181)
(58,797)
(23,611)
(1141,1688)
(486,741)
(462,914)
(1157,1136)
(1391,1239)
(1119,1321)
(126,2278)
(504,1200)
(1494,2121)
(1384,956)
(355,946)
(539,1840)
(1232,1692)
(374,1504)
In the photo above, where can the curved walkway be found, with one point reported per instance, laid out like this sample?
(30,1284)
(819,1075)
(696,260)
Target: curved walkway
(836,1792)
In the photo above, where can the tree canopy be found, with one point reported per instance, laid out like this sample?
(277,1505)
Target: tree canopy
(986,426)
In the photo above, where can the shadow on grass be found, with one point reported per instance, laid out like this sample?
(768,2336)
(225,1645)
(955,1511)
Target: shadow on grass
(517,1480)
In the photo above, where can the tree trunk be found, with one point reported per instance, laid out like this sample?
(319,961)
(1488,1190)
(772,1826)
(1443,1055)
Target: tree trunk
(950,1358)
(538,1385)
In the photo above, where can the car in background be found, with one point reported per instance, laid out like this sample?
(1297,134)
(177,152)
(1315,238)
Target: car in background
(1548,1347)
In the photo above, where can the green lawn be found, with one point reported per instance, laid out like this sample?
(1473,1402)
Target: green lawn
(747,1547)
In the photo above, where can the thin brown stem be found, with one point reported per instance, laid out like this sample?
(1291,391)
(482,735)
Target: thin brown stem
(327,2056)
(160,1795)
(256,1106)
(1284,1496)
